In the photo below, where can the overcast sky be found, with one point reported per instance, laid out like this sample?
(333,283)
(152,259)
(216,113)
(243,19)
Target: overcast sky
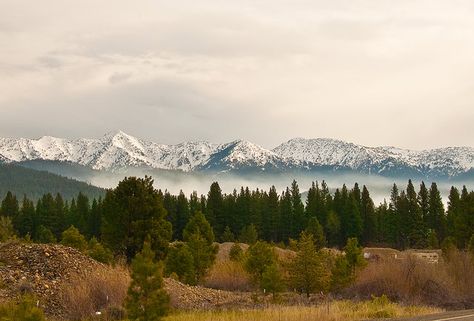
(378,72)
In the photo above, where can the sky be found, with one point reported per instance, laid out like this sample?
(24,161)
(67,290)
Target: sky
(375,72)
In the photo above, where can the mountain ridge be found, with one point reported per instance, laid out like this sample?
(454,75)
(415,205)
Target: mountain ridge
(118,150)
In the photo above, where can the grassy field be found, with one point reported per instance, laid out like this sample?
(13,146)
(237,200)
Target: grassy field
(336,311)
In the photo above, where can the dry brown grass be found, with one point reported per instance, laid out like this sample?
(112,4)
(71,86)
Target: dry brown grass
(228,275)
(98,291)
(447,284)
(336,311)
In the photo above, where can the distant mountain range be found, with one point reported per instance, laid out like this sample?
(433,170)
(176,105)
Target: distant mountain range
(119,151)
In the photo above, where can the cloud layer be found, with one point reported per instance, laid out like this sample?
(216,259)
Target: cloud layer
(373,72)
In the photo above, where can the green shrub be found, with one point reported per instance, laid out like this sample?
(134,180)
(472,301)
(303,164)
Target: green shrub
(23,310)
(45,236)
(73,238)
(99,252)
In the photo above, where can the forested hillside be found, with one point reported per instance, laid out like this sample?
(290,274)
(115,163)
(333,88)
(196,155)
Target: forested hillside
(34,184)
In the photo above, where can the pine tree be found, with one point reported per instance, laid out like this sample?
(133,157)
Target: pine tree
(228,236)
(199,238)
(308,273)
(273,214)
(272,280)
(416,228)
(248,235)
(215,210)
(354,254)
(180,261)
(333,228)
(299,220)
(131,212)
(10,207)
(436,219)
(453,211)
(146,299)
(367,213)
(316,230)
(258,257)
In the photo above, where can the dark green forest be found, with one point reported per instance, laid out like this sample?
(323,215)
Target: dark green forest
(415,217)
(34,183)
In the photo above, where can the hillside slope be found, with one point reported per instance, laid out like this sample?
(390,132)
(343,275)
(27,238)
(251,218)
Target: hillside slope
(34,184)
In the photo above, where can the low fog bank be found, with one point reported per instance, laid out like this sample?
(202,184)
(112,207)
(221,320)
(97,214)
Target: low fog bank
(174,182)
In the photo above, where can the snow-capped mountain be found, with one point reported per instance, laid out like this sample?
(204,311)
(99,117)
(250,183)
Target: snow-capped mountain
(449,162)
(118,151)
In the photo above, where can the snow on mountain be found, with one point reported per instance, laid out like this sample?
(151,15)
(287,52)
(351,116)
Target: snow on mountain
(329,152)
(118,150)
(243,154)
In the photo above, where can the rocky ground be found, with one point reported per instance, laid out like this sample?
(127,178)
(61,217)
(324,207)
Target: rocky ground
(46,270)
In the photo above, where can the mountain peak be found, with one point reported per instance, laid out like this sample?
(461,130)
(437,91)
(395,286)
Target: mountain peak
(119,150)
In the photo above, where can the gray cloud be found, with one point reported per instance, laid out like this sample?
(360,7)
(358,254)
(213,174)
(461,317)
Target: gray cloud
(371,72)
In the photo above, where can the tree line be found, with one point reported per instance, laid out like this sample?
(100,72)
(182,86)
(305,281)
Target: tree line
(134,209)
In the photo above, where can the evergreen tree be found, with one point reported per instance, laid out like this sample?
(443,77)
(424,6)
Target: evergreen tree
(341,274)
(299,220)
(354,254)
(333,228)
(272,280)
(180,261)
(286,217)
(308,273)
(228,236)
(435,217)
(131,212)
(258,257)
(6,229)
(316,231)
(146,299)
(273,215)
(367,213)
(10,207)
(26,221)
(416,228)
(236,253)
(453,211)
(248,235)
(199,237)
(182,214)
(215,210)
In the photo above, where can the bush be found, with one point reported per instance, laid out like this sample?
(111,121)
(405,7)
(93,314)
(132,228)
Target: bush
(73,238)
(101,290)
(228,275)
(24,310)
(6,229)
(45,236)
(99,253)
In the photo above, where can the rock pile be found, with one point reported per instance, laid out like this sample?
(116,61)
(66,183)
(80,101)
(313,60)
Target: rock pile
(188,297)
(45,270)
(42,270)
